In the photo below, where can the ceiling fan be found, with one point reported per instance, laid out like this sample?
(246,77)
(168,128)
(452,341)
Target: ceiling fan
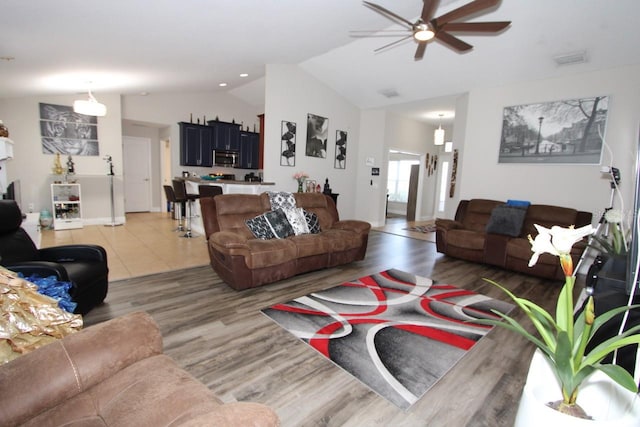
(427,27)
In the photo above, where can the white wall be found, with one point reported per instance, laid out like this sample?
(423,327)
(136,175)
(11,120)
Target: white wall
(578,186)
(371,191)
(290,95)
(33,168)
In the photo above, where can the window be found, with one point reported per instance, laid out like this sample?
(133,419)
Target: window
(398,179)
(443,186)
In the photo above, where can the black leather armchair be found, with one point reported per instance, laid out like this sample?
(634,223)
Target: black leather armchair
(85,266)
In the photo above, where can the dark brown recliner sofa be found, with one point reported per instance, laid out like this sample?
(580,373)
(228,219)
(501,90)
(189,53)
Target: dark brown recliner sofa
(244,261)
(114,374)
(465,237)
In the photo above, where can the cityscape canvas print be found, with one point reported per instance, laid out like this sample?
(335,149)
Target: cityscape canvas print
(66,132)
(569,131)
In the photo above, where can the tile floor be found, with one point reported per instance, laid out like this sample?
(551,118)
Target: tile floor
(145,244)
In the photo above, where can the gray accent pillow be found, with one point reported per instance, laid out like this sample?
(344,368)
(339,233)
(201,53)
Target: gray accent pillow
(281,200)
(260,228)
(506,220)
(279,224)
(312,222)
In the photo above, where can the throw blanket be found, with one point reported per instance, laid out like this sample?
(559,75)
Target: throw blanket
(281,200)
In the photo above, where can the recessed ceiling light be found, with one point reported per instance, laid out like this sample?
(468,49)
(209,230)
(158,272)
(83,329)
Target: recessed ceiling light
(244,75)
(222,84)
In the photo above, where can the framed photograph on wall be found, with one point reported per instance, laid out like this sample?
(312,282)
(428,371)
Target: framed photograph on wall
(317,134)
(288,144)
(569,131)
(340,161)
(65,132)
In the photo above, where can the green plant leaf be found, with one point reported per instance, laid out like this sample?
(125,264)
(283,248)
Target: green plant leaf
(564,307)
(604,348)
(564,364)
(619,375)
(514,326)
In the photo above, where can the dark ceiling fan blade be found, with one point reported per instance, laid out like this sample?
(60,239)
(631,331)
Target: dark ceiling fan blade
(453,41)
(387,13)
(428,9)
(489,27)
(462,11)
(386,46)
(422,46)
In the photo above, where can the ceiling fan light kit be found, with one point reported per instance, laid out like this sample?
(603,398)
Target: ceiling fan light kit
(428,28)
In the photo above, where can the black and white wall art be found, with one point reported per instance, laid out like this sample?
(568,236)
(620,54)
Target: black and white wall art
(66,132)
(288,144)
(568,131)
(317,134)
(340,161)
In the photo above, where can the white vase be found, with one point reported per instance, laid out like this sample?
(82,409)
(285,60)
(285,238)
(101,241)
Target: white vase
(605,401)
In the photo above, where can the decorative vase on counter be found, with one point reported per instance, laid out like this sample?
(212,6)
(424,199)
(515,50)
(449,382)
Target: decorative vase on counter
(604,400)
(300,188)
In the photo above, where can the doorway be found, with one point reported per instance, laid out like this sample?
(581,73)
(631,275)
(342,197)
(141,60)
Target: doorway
(403,186)
(137,174)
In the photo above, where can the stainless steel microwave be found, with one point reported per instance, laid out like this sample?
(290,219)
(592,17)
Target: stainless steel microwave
(225,158)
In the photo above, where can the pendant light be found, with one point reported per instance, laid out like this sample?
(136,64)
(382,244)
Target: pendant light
(438,135)
(89,107)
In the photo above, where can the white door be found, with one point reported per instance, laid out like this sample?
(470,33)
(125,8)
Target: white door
(137,174)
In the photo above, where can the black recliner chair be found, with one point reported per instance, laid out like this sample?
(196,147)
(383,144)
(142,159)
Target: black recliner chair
(85,266)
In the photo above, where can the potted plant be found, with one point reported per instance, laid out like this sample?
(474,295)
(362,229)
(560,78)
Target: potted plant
(562,340)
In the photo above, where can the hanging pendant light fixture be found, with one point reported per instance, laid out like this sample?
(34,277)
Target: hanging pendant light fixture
(438,135)
(89,107)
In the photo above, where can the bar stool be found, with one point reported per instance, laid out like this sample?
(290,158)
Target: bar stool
(209,190)
(171,198)
(180,189)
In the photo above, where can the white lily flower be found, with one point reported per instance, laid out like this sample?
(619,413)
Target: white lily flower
(556,241)
(613,216)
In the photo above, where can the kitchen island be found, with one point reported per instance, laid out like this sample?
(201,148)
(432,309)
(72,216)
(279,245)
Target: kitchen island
(228,187)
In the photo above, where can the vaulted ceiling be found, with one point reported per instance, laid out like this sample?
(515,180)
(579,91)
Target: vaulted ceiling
(135,46)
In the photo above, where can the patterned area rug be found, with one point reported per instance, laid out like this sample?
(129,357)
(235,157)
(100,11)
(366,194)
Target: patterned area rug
(396,332)
(429,228)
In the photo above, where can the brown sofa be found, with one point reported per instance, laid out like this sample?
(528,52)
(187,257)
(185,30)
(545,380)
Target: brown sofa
(113,374)
(466,236)
(244,261)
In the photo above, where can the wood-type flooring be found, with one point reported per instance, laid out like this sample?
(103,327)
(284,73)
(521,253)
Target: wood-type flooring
(220,336)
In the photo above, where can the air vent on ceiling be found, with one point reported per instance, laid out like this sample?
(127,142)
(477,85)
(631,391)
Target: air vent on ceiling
(571,58)
(389,93)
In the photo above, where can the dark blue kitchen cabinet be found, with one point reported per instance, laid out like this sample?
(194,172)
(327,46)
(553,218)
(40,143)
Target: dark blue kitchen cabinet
(226,136)
(196,147)
(249,150)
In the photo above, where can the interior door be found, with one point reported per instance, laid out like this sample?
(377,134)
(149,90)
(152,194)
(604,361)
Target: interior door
(137,174)
(412,197)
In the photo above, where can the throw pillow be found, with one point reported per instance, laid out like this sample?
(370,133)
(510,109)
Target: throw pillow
(281,200)
(297,220)
(506,220)
(312,222)
(260,228)
(279,224)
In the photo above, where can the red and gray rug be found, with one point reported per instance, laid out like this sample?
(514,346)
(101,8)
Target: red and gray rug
(396,332)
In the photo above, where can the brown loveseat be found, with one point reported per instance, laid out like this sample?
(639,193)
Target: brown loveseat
(466,236)
(244,261)
(113,374)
